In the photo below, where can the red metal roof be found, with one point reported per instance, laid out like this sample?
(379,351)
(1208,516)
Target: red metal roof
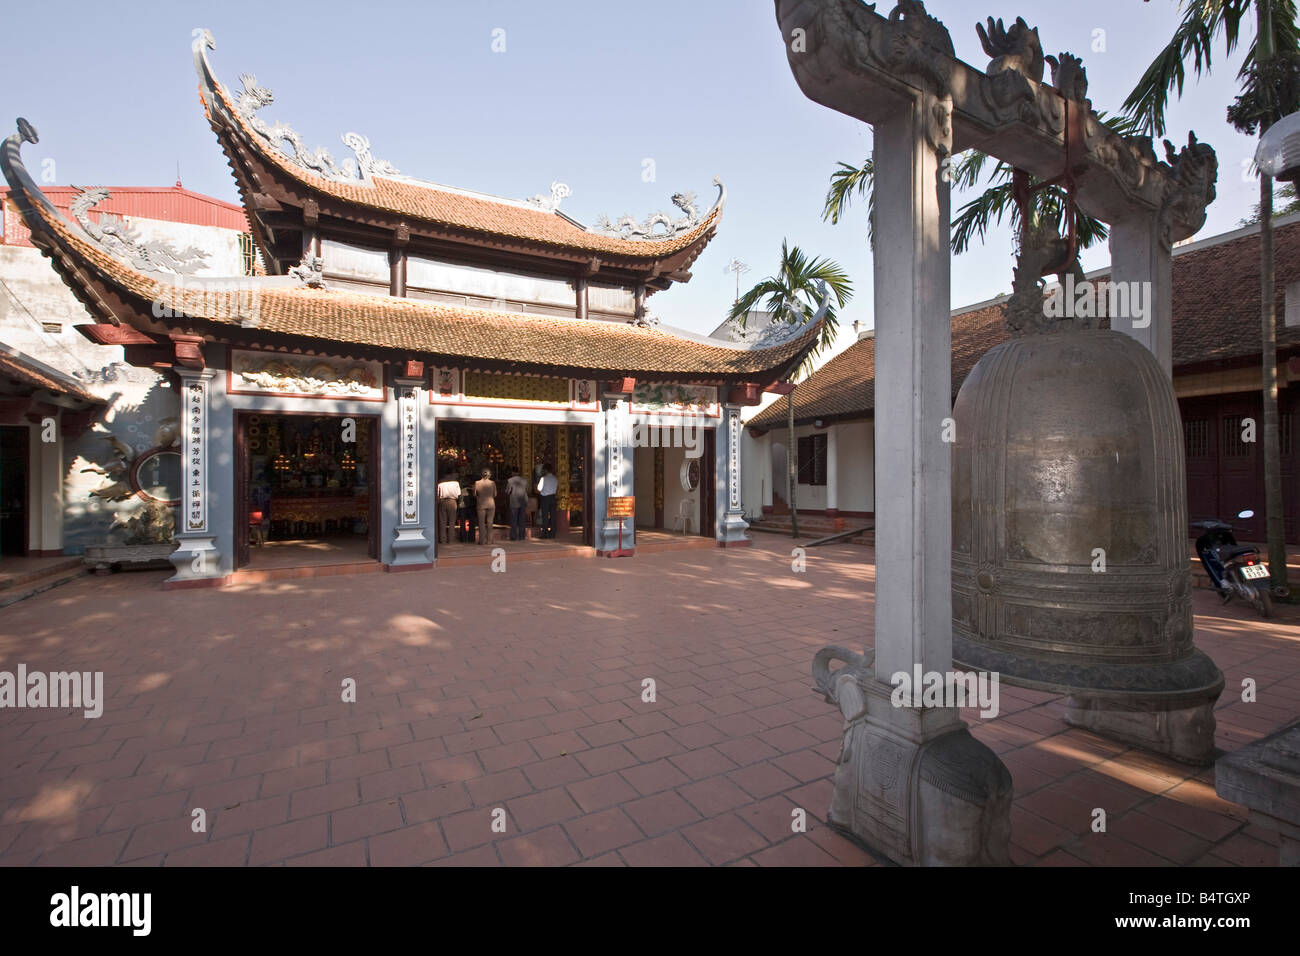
(165,203)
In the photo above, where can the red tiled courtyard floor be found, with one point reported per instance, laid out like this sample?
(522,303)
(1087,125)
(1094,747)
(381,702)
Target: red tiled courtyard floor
(522,691)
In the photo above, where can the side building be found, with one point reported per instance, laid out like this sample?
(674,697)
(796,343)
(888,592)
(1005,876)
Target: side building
(1216,376)
(80,484)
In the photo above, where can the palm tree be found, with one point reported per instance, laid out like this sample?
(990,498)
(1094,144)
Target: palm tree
(987,209)
(1270,78)
(793,295)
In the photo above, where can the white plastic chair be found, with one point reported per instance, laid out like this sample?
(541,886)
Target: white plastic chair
(685,514)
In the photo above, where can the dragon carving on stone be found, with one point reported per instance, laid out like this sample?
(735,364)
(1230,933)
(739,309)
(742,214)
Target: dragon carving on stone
(1069,77)
(121,240)
(1195,170)
(1017,49)
(1043,251)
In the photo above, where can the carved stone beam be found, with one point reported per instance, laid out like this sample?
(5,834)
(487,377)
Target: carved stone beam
(846,56)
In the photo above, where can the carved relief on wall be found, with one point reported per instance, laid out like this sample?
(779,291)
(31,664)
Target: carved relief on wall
(671,398)
(313,376)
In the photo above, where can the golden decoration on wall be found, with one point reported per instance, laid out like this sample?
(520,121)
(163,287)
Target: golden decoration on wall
(562,468)
(516,388)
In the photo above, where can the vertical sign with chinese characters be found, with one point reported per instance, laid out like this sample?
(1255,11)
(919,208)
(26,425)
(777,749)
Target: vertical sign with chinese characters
(195,446)
(733,458)
(409,411)
(614,446)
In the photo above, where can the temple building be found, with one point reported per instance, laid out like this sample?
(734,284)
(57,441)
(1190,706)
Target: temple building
(404,333)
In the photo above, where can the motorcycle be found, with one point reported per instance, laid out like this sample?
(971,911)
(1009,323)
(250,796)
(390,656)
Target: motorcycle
(1234,569)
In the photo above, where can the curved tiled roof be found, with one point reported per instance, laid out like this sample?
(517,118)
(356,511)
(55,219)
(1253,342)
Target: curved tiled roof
(30,373)
(1216,286)
(276,308)
(439,205)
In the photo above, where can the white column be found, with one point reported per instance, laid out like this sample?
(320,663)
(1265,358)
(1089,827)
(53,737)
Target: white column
(410,542)
(913,397)
(619,481)
(832,470)
(196,556)
(764,446)
(731,531)
(1141,260)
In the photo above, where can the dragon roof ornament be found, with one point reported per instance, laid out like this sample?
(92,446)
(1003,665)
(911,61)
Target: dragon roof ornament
(284,139)
(122,241)
(660,225)
(559,192)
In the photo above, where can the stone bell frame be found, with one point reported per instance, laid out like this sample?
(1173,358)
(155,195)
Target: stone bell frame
(911,782)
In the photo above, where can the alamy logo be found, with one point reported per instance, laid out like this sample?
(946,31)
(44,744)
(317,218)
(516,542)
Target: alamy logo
(1084,300)
(946,689)
(102,909)
(686,435)
(58,689)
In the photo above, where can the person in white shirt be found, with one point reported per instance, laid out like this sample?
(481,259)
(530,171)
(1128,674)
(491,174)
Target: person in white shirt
(448,494)
(546,486)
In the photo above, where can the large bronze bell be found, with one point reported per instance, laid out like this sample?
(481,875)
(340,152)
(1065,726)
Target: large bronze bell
(1070,555)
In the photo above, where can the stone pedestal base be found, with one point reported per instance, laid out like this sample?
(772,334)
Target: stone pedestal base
(1264,776)
(732,530)
(912,783)
(410,546)
(196,558)
(1180,728)
(614,545)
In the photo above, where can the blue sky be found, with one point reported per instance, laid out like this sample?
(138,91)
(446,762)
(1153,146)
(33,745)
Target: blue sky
(584,92)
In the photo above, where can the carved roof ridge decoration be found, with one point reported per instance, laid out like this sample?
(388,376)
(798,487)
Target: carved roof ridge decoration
(417,200)
(559,192)
(121,239)
(853,60)
(284,312)
(283,138)
(660,225)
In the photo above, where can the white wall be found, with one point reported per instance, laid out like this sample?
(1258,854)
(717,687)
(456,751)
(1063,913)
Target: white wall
(675,494)
(643,467)
(855,472)
(855,449)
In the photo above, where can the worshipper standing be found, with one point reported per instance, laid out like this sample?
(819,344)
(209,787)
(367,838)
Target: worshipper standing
(546,486)
(485,490)
(448,493)
(517,486)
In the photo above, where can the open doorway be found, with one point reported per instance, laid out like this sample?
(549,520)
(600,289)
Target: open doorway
(673,476)
(467,448)
(14,463)
(307,489)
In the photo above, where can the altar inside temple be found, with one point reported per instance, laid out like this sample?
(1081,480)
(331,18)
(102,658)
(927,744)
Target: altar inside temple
(308,477)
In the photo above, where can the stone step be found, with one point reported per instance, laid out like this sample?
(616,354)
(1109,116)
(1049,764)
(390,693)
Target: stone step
(35,584)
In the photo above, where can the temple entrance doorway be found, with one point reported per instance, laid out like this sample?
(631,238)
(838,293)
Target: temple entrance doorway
(307,489)
(466,448)
(674,475)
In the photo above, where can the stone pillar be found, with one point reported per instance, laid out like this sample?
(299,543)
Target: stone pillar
(1141,261)
(411,541)
(911,781)
(832,474)
(764,448)
(618,478)
(731,531)
(196,558)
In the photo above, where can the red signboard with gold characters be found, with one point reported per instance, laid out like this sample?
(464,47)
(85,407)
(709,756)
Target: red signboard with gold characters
(621,507)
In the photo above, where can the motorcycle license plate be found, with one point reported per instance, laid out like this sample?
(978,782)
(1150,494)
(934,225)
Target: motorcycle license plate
(1254,571)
